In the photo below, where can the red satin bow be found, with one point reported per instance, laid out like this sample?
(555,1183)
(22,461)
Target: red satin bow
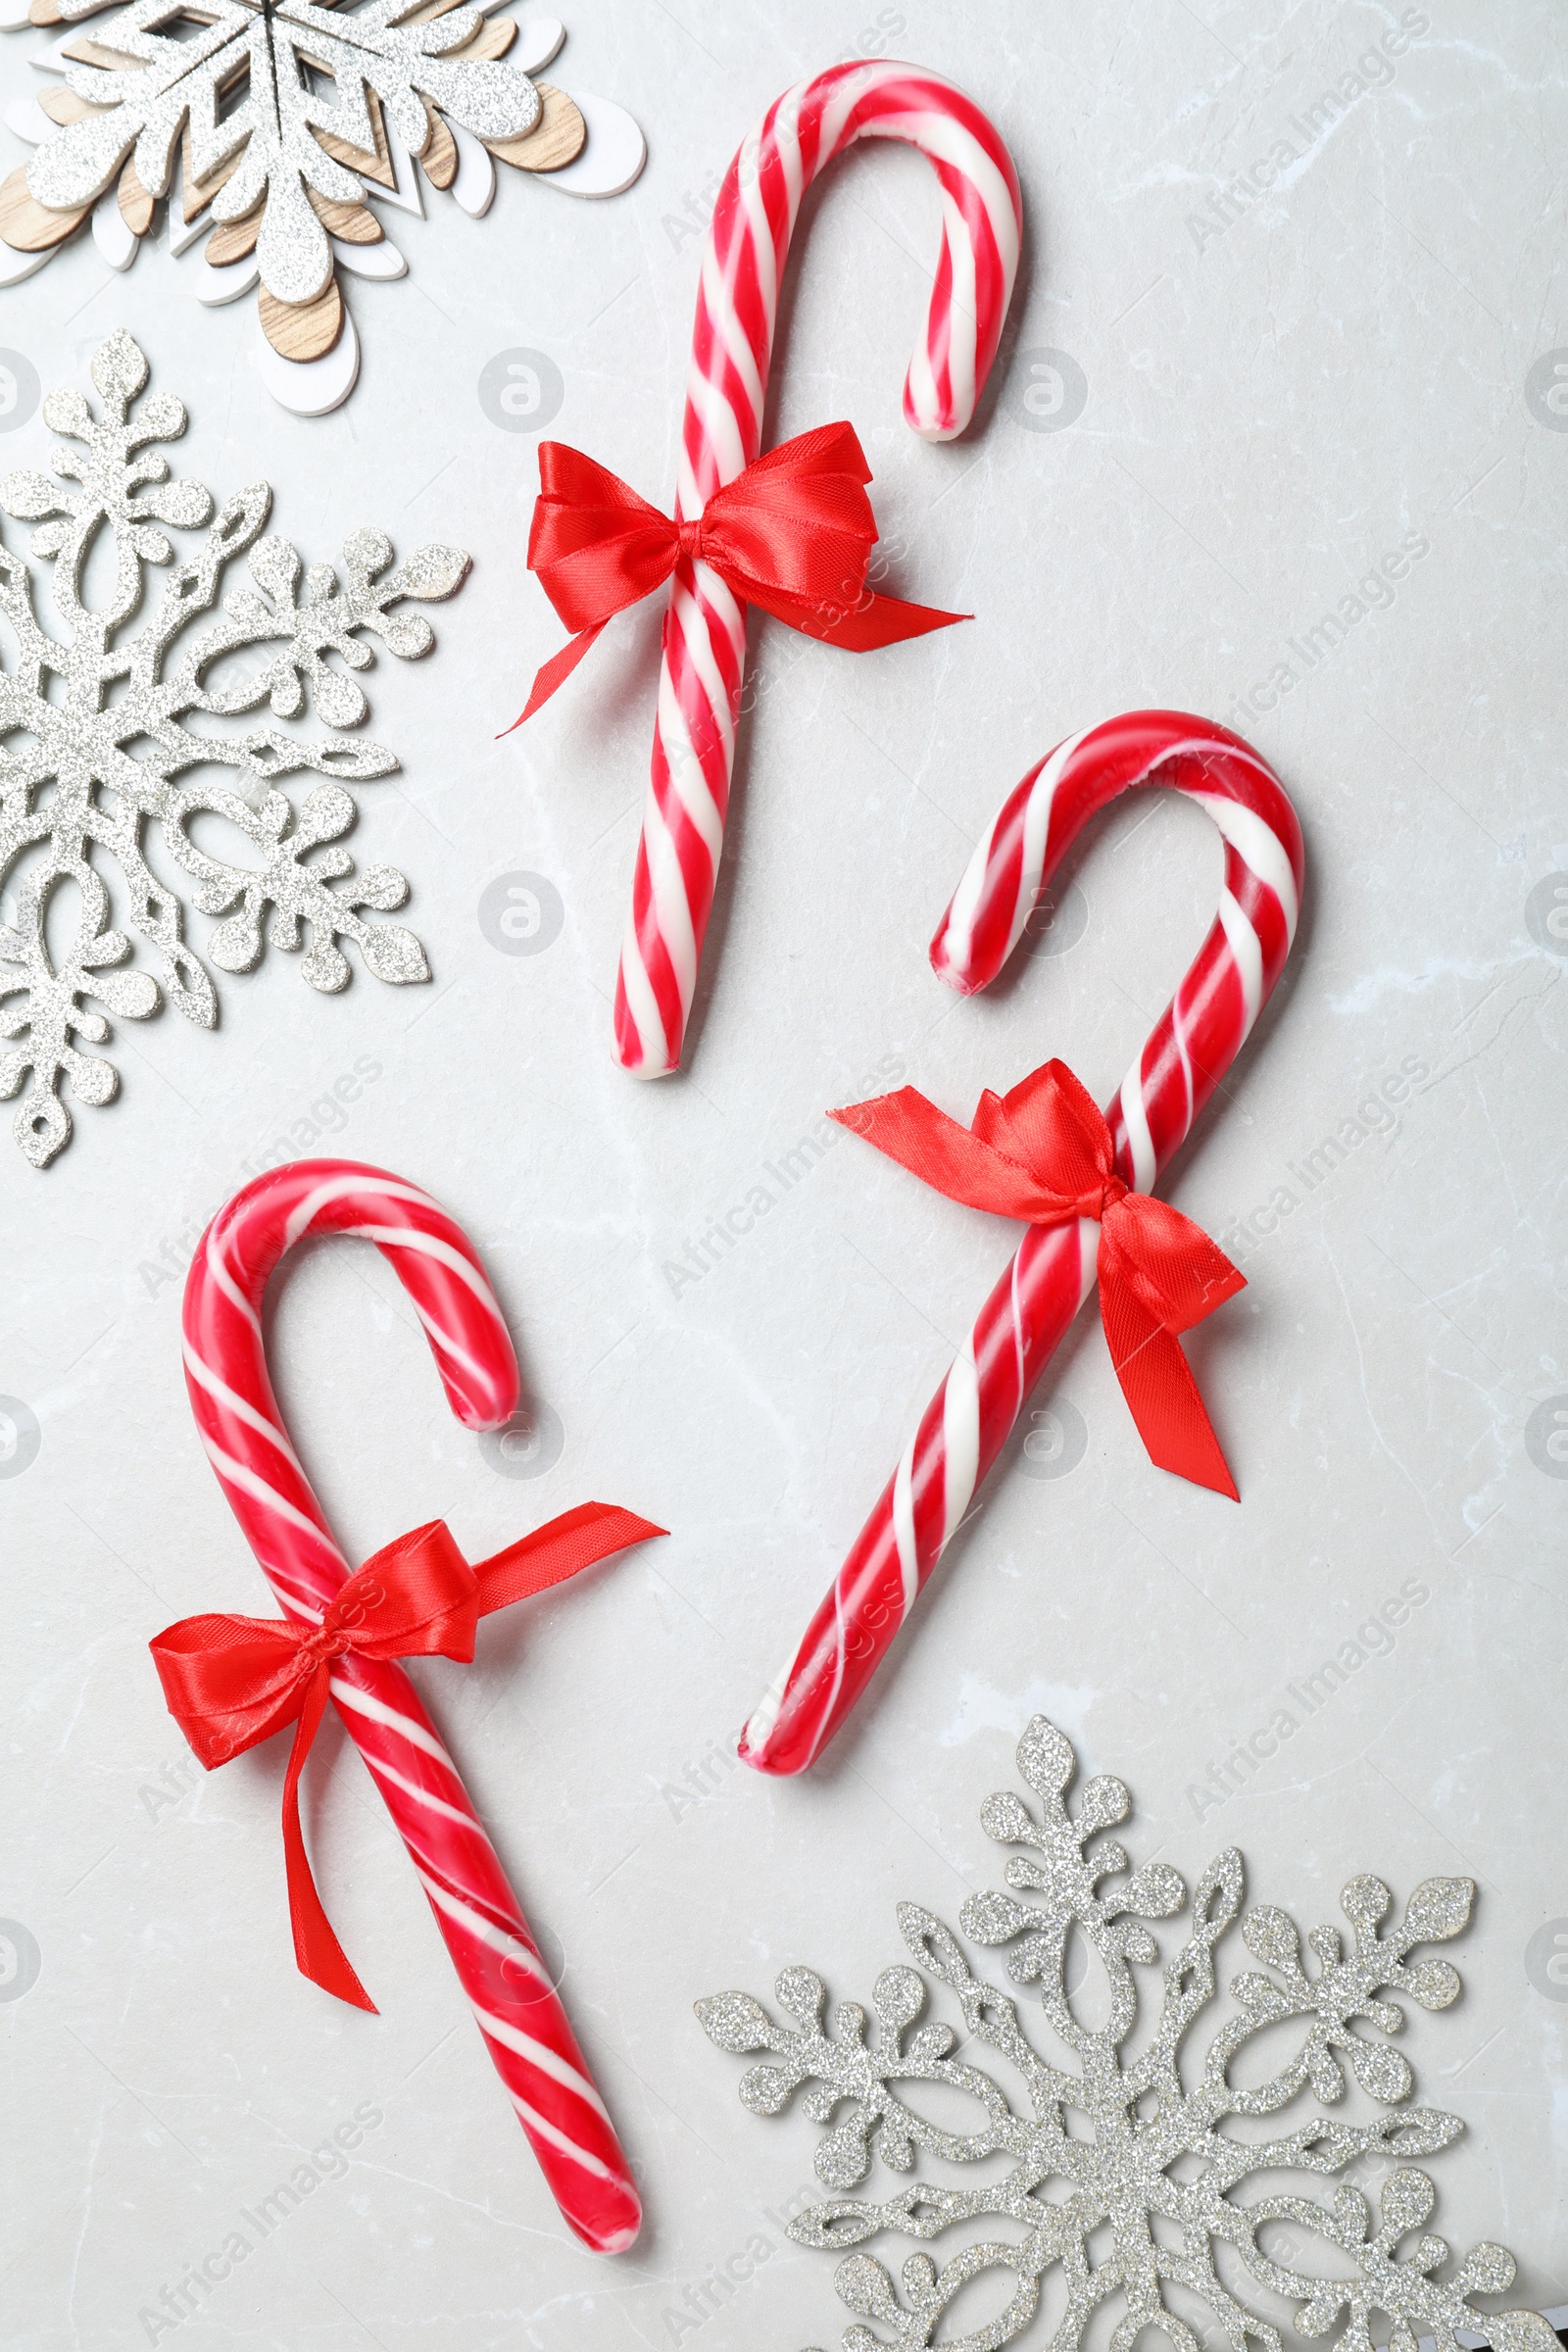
(793,532)
(232,1681)
(1043,1152)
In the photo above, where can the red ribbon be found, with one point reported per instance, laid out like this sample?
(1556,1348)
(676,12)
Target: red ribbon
(793,532)
(1043,1152)
(232,1681)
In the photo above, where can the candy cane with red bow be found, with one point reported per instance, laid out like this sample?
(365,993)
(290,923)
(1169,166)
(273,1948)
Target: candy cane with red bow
(416,1594)
(1044,1154)
(705,625)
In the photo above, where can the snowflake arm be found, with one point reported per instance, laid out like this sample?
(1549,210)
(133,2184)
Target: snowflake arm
(125,486)
(145,105)
(51,1014)
(1068,1877)
(1402,2287)
(1342,1991)
(298,892)
(845,2067)
(329,620)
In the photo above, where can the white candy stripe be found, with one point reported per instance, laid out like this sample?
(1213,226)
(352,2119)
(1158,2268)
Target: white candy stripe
(904,1526)
(450,1346)
(236,1404)
(534,2050)
(1036,828)
(960,1437)
(1259,849)
(737,301)
(539,2055)
(483,1930)
(642,1004)
(966,897)
(290,1592)
(349,1695)
(249,1481)
(760,1722)
(677,930)
(225,1282)
(539,2127)
(420,1796)
(1139,1141)
(1246,954)
(1088,1256)
(347,1188)
(431,1245)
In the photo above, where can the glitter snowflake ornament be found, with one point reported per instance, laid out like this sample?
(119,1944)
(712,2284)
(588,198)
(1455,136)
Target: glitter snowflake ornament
(98,730)
(274,124)
(1117,2178)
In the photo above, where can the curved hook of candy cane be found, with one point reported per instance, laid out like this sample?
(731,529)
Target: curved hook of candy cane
(1211,1014)
(754,222)
(1032,1306)
(722,432)
(226,1357)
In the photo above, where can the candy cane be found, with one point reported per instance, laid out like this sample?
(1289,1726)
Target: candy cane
(1022,1323)
(705,626)
(523,2023)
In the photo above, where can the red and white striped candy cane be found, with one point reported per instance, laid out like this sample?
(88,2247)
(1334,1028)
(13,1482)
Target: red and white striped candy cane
(705,626)
(523,2023)
(1027,1315)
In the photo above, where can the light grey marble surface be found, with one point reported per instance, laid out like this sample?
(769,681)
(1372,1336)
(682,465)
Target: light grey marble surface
(1278,391)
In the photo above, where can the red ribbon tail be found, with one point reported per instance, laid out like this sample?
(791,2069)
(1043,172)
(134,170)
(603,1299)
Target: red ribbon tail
(1162,1394)
(552,673)
(561,1547)
(888,620)
(317,1949)
(859,627)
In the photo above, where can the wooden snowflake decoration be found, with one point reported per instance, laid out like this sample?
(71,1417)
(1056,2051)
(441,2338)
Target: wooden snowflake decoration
(99,729)
(274,124)
(1116,2166)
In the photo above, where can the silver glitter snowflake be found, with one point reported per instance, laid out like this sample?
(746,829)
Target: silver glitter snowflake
(94,741)
(1111,2179)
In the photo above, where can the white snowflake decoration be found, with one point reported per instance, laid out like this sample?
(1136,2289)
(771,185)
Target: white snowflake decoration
(274,124)
(179,72)
(94,741)
(1130,2143)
